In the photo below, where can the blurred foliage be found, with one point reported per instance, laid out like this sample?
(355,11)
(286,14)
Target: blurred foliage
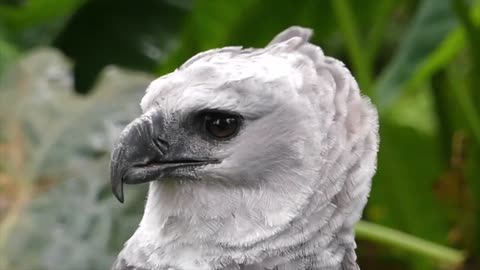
(57,160)
(419,61)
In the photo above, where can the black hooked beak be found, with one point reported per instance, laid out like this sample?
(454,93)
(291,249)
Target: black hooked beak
(141,155)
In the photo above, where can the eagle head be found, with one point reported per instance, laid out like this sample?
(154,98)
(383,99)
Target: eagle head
(250,153)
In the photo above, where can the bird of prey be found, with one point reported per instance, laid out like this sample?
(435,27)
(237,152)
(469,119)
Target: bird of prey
(256,159)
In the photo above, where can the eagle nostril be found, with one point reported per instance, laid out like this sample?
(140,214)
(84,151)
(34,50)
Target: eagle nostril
(161,144)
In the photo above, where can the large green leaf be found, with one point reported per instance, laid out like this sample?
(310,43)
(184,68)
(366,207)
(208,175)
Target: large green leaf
(473,175)
(217,23)
(31,13)
(7,53)
(31,23)
(432,23)
(106,32)
(402,197)
(24,24)
(461,130)
(60,213)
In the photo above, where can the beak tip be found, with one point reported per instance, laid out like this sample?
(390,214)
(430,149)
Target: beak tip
(115,176)
(117,187)
(118,192)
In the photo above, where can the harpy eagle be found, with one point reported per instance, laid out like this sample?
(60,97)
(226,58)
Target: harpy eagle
(256,159)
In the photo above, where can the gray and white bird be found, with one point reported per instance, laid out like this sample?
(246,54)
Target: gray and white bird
(256,159)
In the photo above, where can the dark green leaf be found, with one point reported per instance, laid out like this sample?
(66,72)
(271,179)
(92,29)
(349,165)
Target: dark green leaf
(433,22)
(247,23)
(402,196)
(36,22)
(118,32)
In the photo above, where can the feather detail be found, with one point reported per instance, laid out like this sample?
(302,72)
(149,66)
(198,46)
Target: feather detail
(290,186)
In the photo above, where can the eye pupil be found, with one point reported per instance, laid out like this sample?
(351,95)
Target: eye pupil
(221,125)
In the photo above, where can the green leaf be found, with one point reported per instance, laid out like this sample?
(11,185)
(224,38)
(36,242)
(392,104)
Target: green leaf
(409,163)
(8,52)
(432,24)
(31,13)
(217,23)
(137,36)
(36,22)
(472,176)
(402,193)
(461,129)
(361,61)
(61,213)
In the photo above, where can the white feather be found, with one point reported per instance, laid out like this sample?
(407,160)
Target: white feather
(291,185)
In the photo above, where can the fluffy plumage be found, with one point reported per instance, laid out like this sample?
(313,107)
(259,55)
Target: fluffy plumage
(290,186)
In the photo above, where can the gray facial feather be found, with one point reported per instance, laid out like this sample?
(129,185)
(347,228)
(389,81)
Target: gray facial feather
(291,184)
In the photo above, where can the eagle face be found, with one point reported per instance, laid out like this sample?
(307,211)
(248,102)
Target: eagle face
(233,119)
(249,153)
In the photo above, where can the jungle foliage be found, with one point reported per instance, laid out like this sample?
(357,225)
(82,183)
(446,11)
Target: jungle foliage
(62,104)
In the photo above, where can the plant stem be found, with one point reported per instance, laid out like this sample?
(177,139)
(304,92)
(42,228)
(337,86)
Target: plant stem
(466,104)
(387,236)
(360,60)
(377,31)
(472,32)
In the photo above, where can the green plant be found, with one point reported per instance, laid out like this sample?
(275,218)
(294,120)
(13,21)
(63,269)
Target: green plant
(417,60)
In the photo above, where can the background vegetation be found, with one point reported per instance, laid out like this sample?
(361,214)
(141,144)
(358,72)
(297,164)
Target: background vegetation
(419,61)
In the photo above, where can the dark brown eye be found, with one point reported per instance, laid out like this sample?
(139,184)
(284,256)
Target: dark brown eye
(221,125)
